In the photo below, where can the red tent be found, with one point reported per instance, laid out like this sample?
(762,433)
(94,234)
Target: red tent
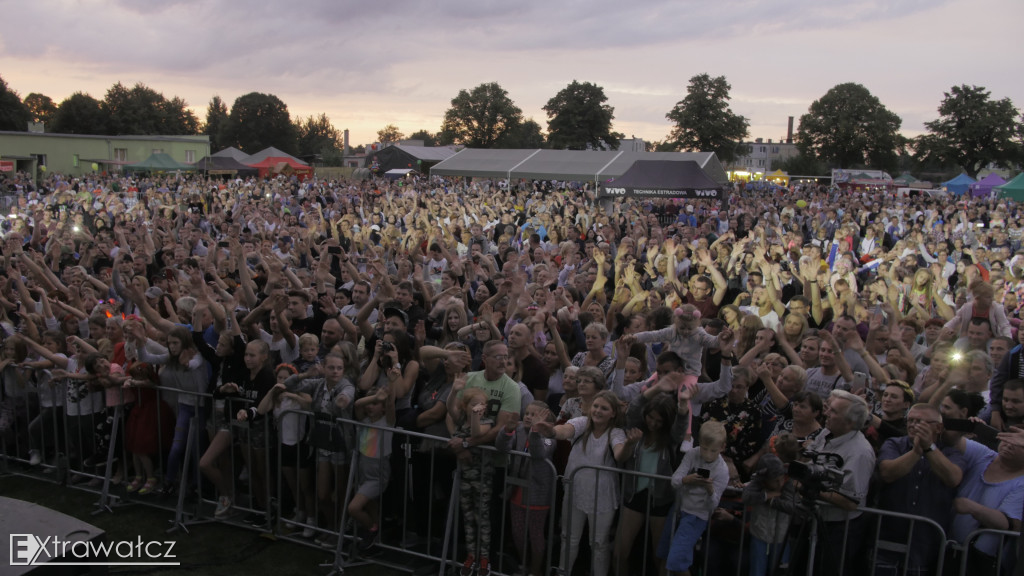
(274,165)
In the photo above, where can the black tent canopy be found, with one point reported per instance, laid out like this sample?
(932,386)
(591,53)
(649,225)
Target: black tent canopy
(224,165)
(663,178)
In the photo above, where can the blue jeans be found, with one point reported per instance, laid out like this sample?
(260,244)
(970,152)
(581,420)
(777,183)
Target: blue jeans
(177,453)
(677,548)
(764,556)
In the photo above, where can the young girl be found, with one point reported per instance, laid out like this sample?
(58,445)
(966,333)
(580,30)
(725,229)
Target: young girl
(654,413)
(149,429)
(296,457)
(466,421)
(531,496)
(592,497)
(373,467)
(687,339)
(329,394)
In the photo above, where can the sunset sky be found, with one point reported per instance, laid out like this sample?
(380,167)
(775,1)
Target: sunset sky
(368,64)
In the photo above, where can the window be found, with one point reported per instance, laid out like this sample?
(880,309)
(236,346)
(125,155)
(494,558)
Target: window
(190,156)
(121,154)
(74,160)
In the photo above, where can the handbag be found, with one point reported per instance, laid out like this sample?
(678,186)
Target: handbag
(326,434)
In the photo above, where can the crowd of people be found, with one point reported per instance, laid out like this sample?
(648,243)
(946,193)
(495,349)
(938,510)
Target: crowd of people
(717,343)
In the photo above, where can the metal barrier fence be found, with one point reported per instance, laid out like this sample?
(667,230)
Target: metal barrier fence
(424,500)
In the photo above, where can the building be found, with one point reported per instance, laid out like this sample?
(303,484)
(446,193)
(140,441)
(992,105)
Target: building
(763,158)
(77,154)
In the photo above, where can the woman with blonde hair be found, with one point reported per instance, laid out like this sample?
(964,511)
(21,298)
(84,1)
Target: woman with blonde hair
(592,496)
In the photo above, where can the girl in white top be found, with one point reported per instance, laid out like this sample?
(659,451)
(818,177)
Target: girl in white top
(593,496)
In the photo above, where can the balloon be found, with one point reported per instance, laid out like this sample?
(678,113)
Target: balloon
(801,203)
(95,166)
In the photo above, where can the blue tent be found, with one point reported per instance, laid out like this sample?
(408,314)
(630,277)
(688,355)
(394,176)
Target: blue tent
(959,185)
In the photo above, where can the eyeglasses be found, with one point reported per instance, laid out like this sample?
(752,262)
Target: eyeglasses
(920,421)
(499,356)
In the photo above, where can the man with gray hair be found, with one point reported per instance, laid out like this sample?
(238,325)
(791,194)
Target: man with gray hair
(846,416)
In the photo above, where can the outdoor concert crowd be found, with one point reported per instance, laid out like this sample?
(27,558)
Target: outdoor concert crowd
(735,345)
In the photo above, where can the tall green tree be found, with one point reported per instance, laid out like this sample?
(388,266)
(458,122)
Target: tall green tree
(79,113)
(216,118)
(578,118)
(260,120)
(526,134)
(41,107)
(849,127)
(317,135)
(142,110)
(481,117)
(704,122)
(428,138)
(973,131)
(389,135)
(14,115)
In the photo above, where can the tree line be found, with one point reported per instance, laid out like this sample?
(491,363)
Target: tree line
(848,127)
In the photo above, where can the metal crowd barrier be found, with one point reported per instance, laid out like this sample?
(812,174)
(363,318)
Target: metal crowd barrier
(420,516)
(978,563)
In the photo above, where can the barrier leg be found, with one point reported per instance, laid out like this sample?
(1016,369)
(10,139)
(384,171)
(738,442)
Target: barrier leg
(180,521)
(104,503)
(451,524)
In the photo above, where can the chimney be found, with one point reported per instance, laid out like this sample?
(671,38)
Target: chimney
(345,150)
(789,132)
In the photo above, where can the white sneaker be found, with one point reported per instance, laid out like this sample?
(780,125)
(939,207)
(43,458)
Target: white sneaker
(223,508)
(296,519)
(34,458)
(309,530)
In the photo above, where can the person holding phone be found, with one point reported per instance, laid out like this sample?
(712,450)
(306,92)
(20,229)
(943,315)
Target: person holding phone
(700,480)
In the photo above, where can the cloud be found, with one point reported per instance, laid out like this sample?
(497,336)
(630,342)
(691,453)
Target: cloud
(369,64)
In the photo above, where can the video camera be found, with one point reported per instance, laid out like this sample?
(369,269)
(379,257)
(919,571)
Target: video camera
(823,473)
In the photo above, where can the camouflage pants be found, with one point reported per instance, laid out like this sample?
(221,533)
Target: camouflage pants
(475,500)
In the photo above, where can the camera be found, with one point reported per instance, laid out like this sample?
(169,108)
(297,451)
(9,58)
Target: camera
(385,361)
(823,473)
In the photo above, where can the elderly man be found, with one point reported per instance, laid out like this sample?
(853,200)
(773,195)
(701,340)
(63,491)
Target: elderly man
(921,473)
(847,414)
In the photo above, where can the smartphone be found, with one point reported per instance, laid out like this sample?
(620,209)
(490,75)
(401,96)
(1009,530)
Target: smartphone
(334,249)
(860,381)
(168,273)
(361,260)
(223,244)
(703,472)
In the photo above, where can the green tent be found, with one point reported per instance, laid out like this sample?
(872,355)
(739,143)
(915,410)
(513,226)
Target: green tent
(1014,189)
(159,162)
(904,179)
